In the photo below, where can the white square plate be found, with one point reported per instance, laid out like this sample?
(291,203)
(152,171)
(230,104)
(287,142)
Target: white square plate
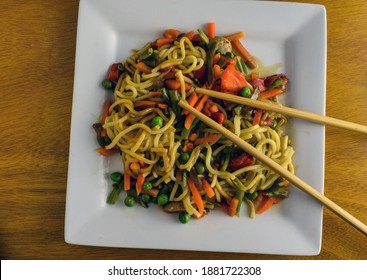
(288,33)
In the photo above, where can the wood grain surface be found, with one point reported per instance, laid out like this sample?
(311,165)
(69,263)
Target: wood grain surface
(37,52)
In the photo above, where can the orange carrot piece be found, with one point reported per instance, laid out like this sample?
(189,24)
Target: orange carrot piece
(255,76)
(259,196)
(173,83)
(232,210)
(193,98)
(105,111)
(162,105)
(196,195)
(232,80)
(152,192)
(211,26)
(163,41)
(135,167)
(208,189)
(244,53)
(188,120)
(216,57)
(139,183)
(104,132)
(266,204)
(144,104)
(236,36)
(213,108)
(106,152)
(207,139)
(198,106)
(216,71)
(190,35)
(171,33)
(188,147)
(155,93)
(193,137)
(271,93)
(257,117)
(127,181)
(142,67)
(104,115)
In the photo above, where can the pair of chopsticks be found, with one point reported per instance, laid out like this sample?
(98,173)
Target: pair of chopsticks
(268,161)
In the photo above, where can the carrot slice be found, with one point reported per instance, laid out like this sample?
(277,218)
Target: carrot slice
(135,167)
(207,139)
(266,204)
(144,104)
(232,210)
(173,84)
(271,93)
(143,67)
(193,98)
(139,183)
(211,26)
(127,181)
(171,33)
(244,53)
(105,152)
(163,41)
(208,189)
(152,192)
(105,111)
(216,71)
(257,117)
(236,36)
(193,137)
(190,35)
(198,106)
(196,195)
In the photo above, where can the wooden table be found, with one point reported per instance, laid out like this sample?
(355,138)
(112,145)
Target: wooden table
(37,52)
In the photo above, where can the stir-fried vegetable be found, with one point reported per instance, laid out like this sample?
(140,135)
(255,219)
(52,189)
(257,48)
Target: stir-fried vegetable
(201,156)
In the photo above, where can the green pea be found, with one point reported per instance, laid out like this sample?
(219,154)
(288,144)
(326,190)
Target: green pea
(252,196)
(107,84)
(162,199)
(199,168)
(156,121)
(245,92)
(147,185)
(129,201)
(184,217)
(116,177)
(145,198)
(184,157)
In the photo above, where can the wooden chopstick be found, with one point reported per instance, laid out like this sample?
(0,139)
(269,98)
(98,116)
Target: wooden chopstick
(284,110)
(277,168)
